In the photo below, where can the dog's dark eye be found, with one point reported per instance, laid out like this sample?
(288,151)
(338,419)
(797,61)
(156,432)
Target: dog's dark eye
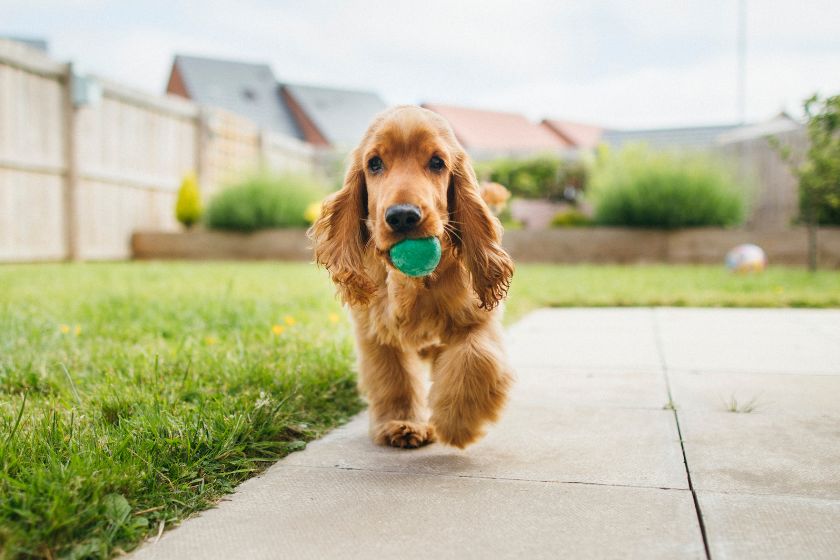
(375,164)
(436,164)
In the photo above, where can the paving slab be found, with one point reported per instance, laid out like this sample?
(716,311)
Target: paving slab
(601,387)
(754,453)
(791,341)
(625,447)
(622,339)
(299,512)
(775,394)
(770,527)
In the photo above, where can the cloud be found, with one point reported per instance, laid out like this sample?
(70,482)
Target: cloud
(701,94)
(641,63)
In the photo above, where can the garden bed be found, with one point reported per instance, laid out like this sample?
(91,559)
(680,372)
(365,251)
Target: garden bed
(569,245)
(201,244)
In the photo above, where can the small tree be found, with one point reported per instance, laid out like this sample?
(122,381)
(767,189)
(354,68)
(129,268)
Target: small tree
(188,207)
(819,170)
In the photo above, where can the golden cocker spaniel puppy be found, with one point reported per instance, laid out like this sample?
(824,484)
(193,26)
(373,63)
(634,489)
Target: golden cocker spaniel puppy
(410,178)
(495,196)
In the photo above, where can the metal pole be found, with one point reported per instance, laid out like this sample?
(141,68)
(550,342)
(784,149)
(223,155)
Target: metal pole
(742,62)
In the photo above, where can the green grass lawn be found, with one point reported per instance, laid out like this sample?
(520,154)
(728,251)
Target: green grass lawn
(152,389)
(680,286)
(134,394)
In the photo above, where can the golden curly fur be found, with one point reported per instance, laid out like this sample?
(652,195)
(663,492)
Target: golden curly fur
(450,319)
(495,195)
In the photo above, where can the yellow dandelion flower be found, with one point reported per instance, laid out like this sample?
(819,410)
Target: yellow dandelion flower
(210,340)
(64,329)
(312,212)
(289,320)
(77,330)
(334,318)
(278,329)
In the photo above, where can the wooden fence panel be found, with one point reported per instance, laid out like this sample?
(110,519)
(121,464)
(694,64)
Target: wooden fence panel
(282,154)
(32,219)
(773,197)
(76,182)
(32,128)
(133,151)
(232,149)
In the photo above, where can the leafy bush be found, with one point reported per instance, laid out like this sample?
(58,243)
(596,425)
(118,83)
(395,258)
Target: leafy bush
(507,219)
(188,206)
(264,201)
(570,218)
(818,169)
(538,177)
(637,187)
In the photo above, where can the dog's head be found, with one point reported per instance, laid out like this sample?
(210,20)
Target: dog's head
(410,178)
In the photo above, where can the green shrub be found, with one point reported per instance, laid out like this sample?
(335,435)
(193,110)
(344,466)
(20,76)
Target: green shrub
(507,219)
(538,177)
(570,218)
(817,166)
(637,187)
(188,206)
(264,201)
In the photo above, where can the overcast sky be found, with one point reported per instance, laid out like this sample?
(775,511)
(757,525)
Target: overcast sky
(632,63)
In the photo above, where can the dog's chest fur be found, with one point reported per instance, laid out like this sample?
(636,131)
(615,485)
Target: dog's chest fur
(420,312)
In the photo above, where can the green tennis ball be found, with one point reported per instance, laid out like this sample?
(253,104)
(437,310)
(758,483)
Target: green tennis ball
(416,257)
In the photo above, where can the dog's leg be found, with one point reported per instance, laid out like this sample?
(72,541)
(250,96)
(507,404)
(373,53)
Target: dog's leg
(391,379)
(470,382)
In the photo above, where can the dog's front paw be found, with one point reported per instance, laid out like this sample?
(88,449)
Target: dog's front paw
(455,433)
(404,434)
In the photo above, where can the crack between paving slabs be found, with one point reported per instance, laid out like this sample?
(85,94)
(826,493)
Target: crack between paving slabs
(479,477)
(657,333)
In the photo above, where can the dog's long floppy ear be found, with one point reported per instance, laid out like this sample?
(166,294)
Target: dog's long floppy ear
(479,236)
(340,236)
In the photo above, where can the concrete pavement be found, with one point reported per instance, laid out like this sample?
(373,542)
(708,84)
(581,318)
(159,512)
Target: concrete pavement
(642,433)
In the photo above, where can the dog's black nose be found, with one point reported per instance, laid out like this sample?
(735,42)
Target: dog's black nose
(403,217)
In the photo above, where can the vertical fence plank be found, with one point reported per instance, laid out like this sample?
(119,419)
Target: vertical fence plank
(71,169)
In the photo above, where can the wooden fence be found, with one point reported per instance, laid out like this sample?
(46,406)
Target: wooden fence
(773,198)
(76,181)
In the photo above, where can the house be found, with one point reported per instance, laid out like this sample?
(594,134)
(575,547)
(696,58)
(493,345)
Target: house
(332,117)
(774,189)
(683,138)
(31,42)
(247,89)
(586,137)
(490,134)
(325,117)
(576,136)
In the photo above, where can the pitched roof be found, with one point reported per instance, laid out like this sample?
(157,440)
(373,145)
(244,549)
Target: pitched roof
(779,124)
(496,132)
(340,115)
(31,42)
(688,137)
(247,89)
(576,135)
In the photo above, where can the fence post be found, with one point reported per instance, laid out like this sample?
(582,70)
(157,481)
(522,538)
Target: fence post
(263,147)
(71,171)
(201,156)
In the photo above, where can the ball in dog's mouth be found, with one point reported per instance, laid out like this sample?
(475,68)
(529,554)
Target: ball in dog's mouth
(416,257)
